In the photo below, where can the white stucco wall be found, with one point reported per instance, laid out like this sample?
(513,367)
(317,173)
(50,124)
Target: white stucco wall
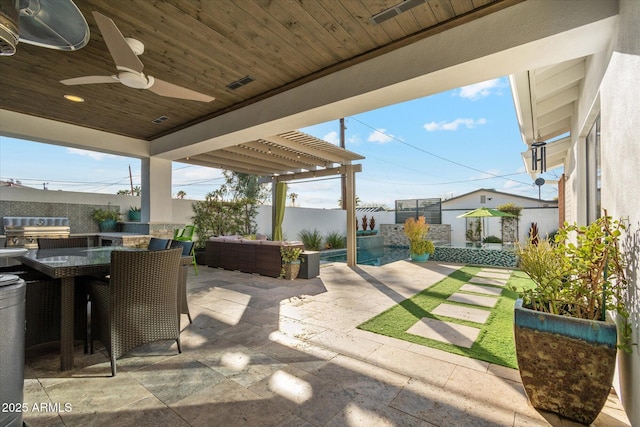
(620,122)
(610,89)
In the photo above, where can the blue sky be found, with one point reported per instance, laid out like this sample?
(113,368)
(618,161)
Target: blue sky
(441,146)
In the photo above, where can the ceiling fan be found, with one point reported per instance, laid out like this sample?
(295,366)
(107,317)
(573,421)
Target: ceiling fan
(125,52)
(54,24)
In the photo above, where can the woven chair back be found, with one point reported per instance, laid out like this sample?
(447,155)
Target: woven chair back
(68,242)
(142,299)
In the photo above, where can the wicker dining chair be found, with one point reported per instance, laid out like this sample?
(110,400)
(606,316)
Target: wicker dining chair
(44,293)
(68,242)
(187,250)
(140,304)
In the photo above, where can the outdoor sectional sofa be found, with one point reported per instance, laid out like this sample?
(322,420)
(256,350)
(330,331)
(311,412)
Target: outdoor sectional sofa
(249,256)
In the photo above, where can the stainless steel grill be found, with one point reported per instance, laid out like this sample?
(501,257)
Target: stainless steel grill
(24,231)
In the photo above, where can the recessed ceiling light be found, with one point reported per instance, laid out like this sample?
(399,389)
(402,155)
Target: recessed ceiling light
(74,98)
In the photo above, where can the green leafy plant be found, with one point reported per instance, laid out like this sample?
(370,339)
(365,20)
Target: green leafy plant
(134,209)
(101,215)
(580,279)
(416,231)
(290,254)
(420,247)
(312,239)
(335,240)
(492,239)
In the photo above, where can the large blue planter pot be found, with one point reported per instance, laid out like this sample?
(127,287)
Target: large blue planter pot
(419,258)
(108,225)
(566,364)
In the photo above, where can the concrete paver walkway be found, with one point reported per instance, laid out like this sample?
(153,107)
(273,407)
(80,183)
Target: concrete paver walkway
(270,352)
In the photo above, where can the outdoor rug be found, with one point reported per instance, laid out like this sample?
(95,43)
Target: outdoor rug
(469,313)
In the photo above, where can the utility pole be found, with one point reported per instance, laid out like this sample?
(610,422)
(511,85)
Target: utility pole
(131,180)
(343,177)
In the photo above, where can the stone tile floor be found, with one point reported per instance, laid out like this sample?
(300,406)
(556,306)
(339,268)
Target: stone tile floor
(270,352)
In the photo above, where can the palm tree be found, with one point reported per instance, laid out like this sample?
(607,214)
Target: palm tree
(293,197)
(181,194)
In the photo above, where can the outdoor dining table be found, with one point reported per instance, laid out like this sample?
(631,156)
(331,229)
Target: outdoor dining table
(68,263)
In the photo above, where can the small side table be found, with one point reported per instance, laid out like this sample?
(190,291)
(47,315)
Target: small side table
(310,265)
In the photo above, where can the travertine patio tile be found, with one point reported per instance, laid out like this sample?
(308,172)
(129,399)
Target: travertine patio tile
(494,273)
(344,343)
(444,408)
(365,411)
(480,300)
(230,404)
(463,313)
(363,378)
(488,281)
(445,356)
(488,290)
(311,398)
(291,357)
(474,385)
(451,333)
(412,364)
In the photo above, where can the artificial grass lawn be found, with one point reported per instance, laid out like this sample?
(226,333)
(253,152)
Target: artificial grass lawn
(495,342)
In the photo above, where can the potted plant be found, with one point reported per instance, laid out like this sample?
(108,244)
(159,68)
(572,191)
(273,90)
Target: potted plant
(416,231)
(135,214)
(290,262)
(106,218)
(565,344)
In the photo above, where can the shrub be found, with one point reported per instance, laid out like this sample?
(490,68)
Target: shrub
(312,240)
(492,239)
(335,240)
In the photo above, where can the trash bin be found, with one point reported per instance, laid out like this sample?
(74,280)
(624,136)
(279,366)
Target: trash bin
(12,309)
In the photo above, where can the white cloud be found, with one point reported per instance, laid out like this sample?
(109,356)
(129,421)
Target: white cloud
(380,136)
(92,154)
(454,125)
(332,137)
(479,90)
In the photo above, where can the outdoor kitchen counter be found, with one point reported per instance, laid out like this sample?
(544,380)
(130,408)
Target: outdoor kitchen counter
(123,239)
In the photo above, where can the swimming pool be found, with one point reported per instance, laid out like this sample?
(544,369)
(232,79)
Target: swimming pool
(381,255)
(367,256)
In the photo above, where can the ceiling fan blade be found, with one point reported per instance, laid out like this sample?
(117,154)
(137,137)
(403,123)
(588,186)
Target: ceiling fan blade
(87,80)
(162,88)
(120,50)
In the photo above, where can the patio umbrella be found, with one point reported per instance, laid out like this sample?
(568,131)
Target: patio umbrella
(485,213)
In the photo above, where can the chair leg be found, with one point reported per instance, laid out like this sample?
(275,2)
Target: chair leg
(195,265)
(178,342)
(113,366)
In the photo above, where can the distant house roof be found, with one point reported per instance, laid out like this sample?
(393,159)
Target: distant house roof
(491,190)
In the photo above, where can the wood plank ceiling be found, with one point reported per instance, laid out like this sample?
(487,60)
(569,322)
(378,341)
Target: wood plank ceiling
(206,45)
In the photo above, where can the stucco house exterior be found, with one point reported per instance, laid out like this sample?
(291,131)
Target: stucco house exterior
(542,212)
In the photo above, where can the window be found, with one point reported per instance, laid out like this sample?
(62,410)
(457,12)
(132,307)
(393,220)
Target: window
(594,185)
(483,199)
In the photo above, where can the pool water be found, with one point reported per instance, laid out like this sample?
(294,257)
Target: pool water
(369,256)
